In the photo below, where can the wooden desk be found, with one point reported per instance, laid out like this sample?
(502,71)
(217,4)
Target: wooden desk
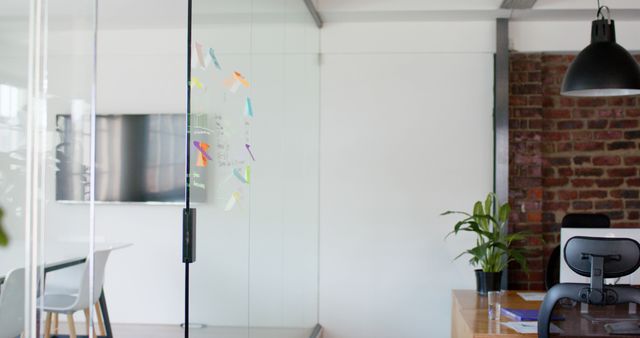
(469,317)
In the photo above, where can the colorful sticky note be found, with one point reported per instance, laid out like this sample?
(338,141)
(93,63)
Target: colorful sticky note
(239,176)
(203,156)
(212,54)
(248,108)
(236,81)
(249,150)
(235,197)
(244,177)
(199,55)
(196,82)
(241,79)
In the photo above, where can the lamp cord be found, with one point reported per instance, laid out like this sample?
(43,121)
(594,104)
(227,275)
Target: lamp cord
(600,15)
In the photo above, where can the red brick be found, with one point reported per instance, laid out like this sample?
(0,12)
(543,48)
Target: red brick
(581,205)
(625,224)
(626,193)
(517,100)
(535,100)
(632,204)
(615,101)
(559,206)
(564,147)
(591,102)
(583,113)
(606,160)
(535,193)
(535,216)
(555,182)
(609,135)
(556,114)
(588,146)
(567,101)
(593,172)
(633,215)
(621,145)
(557,161)
(609,183)
(633,182)
(626,124)
(622,172)
(579,160)
(570,124)
(597,124)
(567,195)
(632,134)
(565,172)
(632,160)
(633,112)
(614,215)
(582,135)
(556,136)
(608,205)
(586,194)
(582,182)
(610,113)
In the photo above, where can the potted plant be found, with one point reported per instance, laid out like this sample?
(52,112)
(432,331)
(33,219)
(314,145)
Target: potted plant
(493,250)
(4,239)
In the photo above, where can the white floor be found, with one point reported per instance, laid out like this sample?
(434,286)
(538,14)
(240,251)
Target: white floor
(174,331)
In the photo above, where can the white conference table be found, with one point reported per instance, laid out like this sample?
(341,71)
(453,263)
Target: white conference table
(57,256)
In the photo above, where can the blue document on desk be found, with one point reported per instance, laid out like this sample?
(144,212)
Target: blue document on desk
(526,315)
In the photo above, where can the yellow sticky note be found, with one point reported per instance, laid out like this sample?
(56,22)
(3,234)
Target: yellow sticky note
(196,82)
(247,174)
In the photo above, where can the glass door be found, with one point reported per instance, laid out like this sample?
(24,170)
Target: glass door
(253,111)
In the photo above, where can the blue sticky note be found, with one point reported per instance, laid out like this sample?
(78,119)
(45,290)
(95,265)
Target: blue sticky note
(239,176)
(214,58)
(248,108)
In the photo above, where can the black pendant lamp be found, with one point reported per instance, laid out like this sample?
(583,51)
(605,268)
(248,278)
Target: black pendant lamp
(604,68)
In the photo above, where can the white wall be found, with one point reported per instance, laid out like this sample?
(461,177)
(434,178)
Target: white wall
(562,36)
(406,134)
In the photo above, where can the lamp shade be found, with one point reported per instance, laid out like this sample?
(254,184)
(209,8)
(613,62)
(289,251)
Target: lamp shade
(604,68)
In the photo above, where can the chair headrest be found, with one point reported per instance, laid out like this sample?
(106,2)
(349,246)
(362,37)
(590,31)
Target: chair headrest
(586,221)
(621,255)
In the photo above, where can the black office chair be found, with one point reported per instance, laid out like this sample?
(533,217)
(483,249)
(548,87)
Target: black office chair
(597,258)
(552,273)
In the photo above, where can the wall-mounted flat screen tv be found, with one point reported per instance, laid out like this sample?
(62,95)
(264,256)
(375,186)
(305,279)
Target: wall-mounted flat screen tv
(139,158)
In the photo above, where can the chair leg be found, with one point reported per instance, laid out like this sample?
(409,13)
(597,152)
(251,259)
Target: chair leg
(87,316)
(72,326)
(100,320)
(47,326)
(88,320)
(55,323)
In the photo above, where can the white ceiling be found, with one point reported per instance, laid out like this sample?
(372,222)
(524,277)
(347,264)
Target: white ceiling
(464,5)
(172,13)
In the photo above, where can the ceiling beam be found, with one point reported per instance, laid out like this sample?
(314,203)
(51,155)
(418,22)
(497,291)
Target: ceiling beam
(517,4)
(314,13)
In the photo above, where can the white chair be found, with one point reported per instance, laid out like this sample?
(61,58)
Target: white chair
(12,305)
(75,296)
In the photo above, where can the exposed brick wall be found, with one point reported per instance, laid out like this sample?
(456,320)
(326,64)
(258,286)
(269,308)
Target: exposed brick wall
(566,155)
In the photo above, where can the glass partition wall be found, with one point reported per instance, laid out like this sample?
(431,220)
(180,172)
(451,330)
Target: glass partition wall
(254,137)
(47,100)
(96,137)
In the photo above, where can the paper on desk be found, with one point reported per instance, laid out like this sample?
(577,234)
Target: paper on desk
(532,296)
(529,327)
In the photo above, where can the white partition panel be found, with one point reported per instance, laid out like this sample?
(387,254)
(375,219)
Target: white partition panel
(404,137)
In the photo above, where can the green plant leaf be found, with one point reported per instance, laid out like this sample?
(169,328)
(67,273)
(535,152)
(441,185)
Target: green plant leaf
(4,239)
(449,212)
(503,213)
(488,204)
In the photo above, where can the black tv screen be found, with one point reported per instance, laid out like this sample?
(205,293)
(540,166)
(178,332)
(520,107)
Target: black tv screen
(139,158)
